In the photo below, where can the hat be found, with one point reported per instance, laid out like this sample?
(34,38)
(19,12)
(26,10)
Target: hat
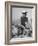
(24,12)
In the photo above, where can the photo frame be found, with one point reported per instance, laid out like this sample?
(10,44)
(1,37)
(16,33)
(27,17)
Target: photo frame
(20,22)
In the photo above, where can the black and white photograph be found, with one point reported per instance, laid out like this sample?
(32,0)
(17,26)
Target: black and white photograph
(21,22)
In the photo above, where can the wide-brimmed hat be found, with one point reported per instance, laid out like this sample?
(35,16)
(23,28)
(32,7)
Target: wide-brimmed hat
(24,12)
